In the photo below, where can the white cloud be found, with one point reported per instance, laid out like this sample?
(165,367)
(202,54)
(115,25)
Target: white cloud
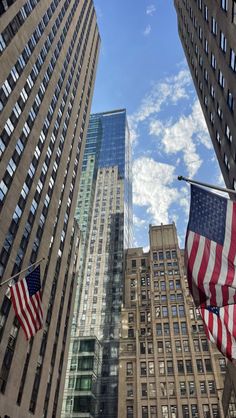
(147,30)
(146,249)
(169,91)
(138,222)
(152,188)
(183,136)
(150,10)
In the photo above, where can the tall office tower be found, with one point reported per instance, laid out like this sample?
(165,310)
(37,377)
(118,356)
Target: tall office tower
(49,52)
(167,367)
(105,211)
(208,33)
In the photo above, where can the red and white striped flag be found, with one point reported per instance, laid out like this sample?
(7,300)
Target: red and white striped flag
(211,264)
(27,303)
(220,328)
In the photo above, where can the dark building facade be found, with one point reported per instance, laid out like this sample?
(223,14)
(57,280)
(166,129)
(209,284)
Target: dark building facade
(207,30)
(49,52)
(104,213)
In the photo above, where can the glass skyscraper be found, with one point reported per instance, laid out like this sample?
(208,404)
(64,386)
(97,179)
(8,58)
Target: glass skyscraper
(104,213)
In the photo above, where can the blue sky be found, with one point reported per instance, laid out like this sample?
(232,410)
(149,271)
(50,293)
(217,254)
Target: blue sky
(142,68)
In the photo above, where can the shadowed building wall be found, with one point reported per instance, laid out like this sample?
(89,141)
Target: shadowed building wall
(49,52)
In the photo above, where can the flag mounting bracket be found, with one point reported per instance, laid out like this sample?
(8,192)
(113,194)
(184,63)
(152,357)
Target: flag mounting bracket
(210,186)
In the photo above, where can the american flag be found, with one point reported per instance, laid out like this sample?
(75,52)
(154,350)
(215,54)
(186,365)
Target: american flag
(26,299)
(220,328)
(211,248)
(211,266)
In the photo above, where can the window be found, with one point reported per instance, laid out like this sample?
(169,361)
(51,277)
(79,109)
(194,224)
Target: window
(164,311)
(182,387)
(228,133)
(130,412)
(230,100)
(152,390)
(170,369)
(204,344)
(226,161)
(178,347)
(144,389)
(176,328)
(161,367)
(203,387)
(233,59)
(191,386)
(194,411)
(186,346)
(206,411)
(133,263)
(160,346)
(180,366)
(208,365)
(163,389)
(222,364)
(166,329)
(130,333)
(224,5)
(181,311)
(184,328)
(164,411)
(163,285)
(223,42)
(221,79)
(199,366)
(159,329)
(84,383)
(211,387)
(129,369)
(151,370)
(144,412)
(214,26)
(143,368)
(189,367)
(130,317)
(153,411)
(185,411)
(174,310)
(130,390)
(215,411)
(213,61)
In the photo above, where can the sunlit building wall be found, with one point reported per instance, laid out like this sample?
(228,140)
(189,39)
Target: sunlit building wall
(167,367)
(106,215)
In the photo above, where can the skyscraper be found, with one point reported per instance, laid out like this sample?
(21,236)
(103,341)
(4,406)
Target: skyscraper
(49,52)
(104,212)
(208,34)
(167,367)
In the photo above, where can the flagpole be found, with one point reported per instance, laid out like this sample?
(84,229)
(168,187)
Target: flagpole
(22,271)
(210,186)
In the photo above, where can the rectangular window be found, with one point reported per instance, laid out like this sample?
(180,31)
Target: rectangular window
(182,387)
(143,368)
(223,42)
(224,5)
(161,367)
(129,369)
(214,26)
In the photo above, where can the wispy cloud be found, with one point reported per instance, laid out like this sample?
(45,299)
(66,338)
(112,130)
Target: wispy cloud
(147,30)
(153,188)
(151,9)
(183,136)
(138,222)
(169,91)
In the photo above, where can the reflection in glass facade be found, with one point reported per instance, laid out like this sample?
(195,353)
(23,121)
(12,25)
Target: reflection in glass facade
(104,213)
